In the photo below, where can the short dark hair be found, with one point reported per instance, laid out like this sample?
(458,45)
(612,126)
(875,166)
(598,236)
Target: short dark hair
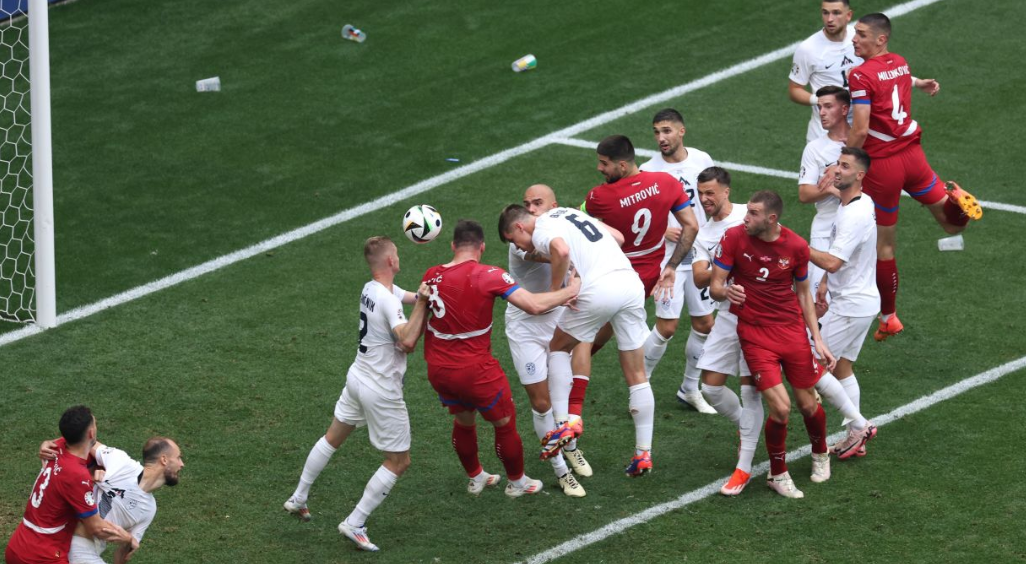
(719,174)
(154,448)
(668,114)
(879,23)
(467,232)
(616,147)
(840,94)
(845,2)
(75,421)
(510,215)
(861,157)
(770,201)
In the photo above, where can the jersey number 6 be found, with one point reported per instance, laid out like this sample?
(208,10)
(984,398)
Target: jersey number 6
(588,228)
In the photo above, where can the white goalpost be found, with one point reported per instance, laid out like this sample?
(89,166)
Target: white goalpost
(27,270)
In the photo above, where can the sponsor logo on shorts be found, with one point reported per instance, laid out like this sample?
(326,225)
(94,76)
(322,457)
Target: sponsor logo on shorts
(756,376)
(530,368)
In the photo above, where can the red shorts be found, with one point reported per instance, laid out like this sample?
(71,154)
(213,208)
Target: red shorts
(908,171)
(649,273)
(482,386)
(767,348)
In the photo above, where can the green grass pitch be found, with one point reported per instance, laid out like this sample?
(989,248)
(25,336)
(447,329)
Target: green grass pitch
(243,366)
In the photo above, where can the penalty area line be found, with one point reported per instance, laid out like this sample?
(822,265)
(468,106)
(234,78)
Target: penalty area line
(428,184)
(713,488)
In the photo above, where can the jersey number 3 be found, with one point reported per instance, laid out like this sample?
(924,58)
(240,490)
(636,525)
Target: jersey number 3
(37,497)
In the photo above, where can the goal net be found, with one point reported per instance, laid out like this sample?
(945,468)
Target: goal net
(26,218)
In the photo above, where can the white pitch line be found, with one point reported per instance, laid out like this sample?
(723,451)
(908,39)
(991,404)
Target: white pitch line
(713,488)
(763,171)
(425,185)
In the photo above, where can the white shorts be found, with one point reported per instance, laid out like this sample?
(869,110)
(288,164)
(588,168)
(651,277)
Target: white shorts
(83,551)
(386,418)
(722,351)
(699,302)
(617,298)
(844,335)
(529,344)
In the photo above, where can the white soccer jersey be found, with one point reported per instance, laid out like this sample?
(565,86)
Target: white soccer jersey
(686,172)
(817,156)
(821,62)
(593,250)
(378,358)
(853,291)
(535,277)
(711,233)
(120,500)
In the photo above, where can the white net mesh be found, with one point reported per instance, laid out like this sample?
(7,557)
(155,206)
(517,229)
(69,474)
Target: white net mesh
(16,246)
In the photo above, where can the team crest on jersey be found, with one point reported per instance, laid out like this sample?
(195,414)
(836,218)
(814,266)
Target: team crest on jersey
(784,262)
(507,278)
(530,368)
(719,251)
(89,499)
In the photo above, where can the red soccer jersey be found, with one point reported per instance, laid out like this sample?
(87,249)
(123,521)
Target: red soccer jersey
(767,271)
(639,207)
(61,496)
(885,83)
(460,328)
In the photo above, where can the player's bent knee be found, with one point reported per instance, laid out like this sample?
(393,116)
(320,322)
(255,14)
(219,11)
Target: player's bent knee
(713,378)
(702,324)
(666,327)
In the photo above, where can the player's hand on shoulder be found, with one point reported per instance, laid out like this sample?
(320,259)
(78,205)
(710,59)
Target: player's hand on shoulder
(48,450)
(736,294)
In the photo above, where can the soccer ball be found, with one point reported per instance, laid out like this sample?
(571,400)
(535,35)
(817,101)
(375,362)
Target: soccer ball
(422,223)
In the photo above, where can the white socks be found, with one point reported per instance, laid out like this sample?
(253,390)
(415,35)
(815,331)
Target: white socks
(655,348)
(642,405)
(692,351)
(543,423)
(851,387)
(724,401)
(376,491)
(318,458)
(834,392)
(561,377)
(752,416)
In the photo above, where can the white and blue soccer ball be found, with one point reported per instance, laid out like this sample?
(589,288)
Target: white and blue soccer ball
(422,223)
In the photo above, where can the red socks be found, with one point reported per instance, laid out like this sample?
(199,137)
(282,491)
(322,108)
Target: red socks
(816,427)
(509,449)
(577,390)
(953,213)
(464,440)
(887,283)
(776,446)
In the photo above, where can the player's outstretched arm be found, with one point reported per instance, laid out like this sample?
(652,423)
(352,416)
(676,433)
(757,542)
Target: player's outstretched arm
(408,333)
(824,260)
(859,126)
(928,85)
(536,304)
(808,306)
(104,530)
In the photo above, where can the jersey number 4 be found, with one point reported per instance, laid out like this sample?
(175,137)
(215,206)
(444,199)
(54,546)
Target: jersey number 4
(897,112)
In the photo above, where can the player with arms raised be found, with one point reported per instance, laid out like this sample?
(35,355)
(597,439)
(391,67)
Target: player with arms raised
(771,298)
(684,164)
(458,350)
(881,92)
(373,393)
